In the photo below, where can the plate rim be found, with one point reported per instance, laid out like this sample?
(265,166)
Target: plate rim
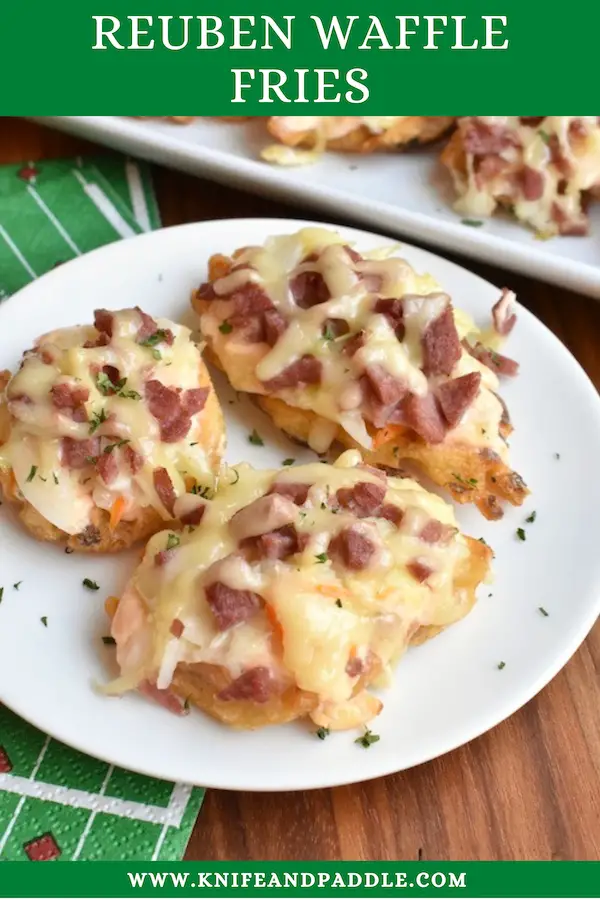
(129,135)
(487,722)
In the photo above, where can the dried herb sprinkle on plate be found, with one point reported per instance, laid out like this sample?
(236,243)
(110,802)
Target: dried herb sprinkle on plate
(91,585)
(367,739)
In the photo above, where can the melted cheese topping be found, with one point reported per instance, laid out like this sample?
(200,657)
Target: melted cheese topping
(354,289)
(64,495)
(564,150)
(322,129)
(333,127)
(327,613)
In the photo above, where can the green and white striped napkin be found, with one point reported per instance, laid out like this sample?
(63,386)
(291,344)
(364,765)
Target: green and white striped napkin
(56,803)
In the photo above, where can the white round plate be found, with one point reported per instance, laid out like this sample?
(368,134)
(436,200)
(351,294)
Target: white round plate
(446,692)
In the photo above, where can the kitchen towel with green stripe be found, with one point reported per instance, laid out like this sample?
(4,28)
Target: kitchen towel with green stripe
(56,803)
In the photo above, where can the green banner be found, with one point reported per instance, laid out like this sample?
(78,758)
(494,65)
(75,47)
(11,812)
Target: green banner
(266,879)
(259,57)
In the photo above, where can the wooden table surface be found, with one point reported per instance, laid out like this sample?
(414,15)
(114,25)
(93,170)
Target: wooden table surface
(527,790)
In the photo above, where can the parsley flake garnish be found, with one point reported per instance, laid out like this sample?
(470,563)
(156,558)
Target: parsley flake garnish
(17,585)
(173,541)
(328,333)
(130,395)
(55,476)
(521,534)
(110,447)
(157,354)
(97,420)
(544,136)
(225,328)
(473,223)
(44,621)
(256,439)
(108,640)
(106,386)
(338,602)
(532,517)
(543,611)
(204,492)
(367,739)
(321,557)
(32,472)
(501,664)
(92,585)
(159,335)
(194,444)
(322,733)
(288,462)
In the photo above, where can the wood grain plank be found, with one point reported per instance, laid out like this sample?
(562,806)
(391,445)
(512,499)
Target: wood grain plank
(530,788)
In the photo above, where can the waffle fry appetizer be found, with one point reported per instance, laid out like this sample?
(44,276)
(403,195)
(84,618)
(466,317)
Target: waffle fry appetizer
(355,133)
(301,139)
(543,169)
(295,592)
(97,426)
(336,346)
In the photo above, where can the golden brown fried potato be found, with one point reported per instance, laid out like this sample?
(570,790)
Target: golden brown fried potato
(99,537)
(549,190)
(408,129)
(468,577)
(200,684)
(4,413)
(203,684)
(483,480)
(453,155)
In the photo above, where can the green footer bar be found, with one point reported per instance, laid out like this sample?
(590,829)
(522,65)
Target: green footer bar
(396,879)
